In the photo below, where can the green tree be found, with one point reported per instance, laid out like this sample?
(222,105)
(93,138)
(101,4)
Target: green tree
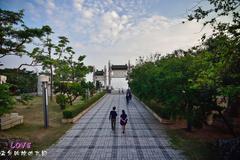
(43,56)
(71,90)
(91,88)
(67,68)
(61,100)
(22,81)
(187,83)
(219,8)
(69,78)
(223,73)
(6,100)
(98,85)
(14,34)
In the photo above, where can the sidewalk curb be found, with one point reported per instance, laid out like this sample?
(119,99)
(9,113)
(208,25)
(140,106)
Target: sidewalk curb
(150,110)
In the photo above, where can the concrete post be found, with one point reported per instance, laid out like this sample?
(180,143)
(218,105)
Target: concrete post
(94,77)
(109,75)
(129,66)
(105,77)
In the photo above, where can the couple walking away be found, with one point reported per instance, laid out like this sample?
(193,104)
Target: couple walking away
(123,119)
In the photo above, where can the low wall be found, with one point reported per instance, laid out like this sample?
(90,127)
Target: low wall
(10,120)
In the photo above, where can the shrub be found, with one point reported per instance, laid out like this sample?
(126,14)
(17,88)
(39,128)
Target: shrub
(61,100)
(24,98)
(72,90)
(74,110)
(165,112)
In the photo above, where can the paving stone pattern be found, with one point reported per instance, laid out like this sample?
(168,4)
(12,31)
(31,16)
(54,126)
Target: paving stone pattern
(91,138)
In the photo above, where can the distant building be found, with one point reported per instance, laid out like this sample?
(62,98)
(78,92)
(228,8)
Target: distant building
(3,79)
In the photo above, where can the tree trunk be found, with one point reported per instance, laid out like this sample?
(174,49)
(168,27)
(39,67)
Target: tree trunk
(227,123)
(189,125)
(51,83)
(51,71)
(71,102)
(189,116)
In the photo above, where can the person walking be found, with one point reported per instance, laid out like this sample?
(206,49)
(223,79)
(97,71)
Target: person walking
(130,95)
(127,99)
(123,120)
(113,117)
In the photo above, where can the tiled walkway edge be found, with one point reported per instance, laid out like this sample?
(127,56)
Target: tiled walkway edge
(150,110)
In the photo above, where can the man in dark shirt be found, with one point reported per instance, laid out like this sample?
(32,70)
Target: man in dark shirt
(112,117)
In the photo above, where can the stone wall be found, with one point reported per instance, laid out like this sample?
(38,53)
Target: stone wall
(10,120)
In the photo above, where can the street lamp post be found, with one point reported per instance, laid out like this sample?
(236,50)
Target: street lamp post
(45,102)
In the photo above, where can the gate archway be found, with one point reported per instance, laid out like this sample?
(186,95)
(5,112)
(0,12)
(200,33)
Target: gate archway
(100,76)
(118,71)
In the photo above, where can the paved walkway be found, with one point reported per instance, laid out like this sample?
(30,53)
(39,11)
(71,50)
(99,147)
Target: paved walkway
(92,138)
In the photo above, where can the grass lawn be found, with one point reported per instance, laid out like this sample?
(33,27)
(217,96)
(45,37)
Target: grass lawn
(193,148)
(196,145)
(33,127)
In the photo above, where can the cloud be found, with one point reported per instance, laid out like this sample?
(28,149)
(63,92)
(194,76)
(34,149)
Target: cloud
(115,30)
(153,34)
(110,1)
(50,6)
(111,26)
(165,34)
(78,4)
(47,5)
(33,12)
(78,46)
(88,13)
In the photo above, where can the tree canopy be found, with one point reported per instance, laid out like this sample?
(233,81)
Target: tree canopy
(66,70)
(14,34)
(188,83)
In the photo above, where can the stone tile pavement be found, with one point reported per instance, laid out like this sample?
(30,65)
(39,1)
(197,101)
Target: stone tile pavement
(91,138)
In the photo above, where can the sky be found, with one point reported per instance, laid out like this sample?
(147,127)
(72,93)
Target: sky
(115,30)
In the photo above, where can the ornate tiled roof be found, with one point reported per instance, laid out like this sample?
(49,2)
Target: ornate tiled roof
(119,67)
(99,73)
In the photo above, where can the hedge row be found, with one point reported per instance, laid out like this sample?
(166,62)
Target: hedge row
(72,111)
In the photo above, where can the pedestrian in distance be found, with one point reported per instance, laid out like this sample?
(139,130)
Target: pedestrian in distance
(130,95)
(123,121)
(127,99)
(113,117)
